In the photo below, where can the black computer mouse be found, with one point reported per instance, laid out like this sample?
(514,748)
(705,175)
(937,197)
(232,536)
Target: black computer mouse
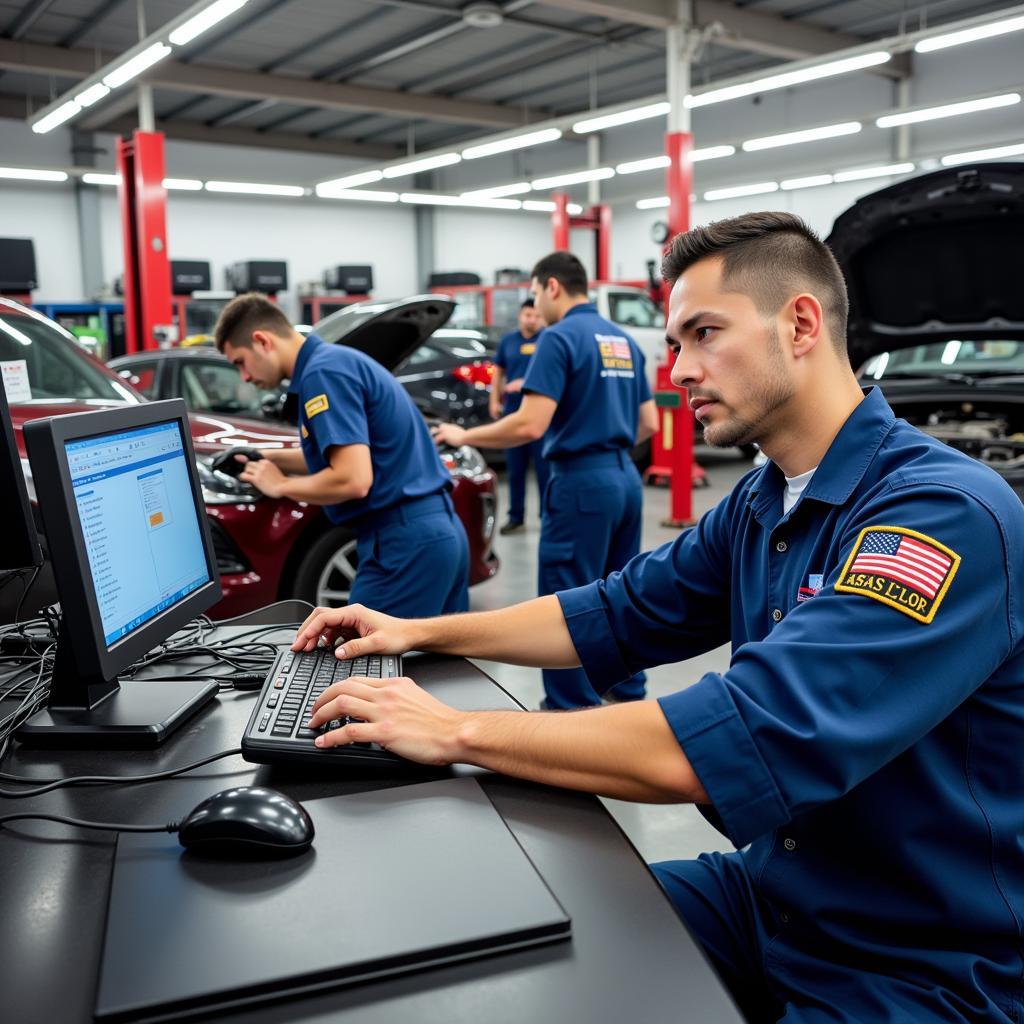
(226,462)
(248,822)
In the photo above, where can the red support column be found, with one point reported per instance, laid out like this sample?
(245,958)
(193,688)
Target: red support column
(560,221)
(147,271)
(603,216)
(678,448)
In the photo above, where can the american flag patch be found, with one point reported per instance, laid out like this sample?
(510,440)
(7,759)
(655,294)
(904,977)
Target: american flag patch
(900,568)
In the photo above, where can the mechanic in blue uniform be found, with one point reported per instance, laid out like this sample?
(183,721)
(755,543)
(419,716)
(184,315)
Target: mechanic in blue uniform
(586,394)
(366,457)
(863,749)
(515,351)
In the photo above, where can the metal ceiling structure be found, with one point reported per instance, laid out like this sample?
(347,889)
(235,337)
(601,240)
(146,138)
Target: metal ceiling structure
(378,79)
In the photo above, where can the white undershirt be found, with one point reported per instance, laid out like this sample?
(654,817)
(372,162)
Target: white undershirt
(794,488)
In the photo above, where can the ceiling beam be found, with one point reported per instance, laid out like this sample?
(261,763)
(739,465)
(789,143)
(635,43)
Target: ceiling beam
(170,74)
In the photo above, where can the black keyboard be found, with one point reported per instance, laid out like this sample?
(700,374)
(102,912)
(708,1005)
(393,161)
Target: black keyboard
(277,727)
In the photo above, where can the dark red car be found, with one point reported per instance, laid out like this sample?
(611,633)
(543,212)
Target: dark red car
(267,549)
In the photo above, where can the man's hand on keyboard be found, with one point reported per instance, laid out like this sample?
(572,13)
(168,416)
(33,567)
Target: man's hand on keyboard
(362,630)
(395,713)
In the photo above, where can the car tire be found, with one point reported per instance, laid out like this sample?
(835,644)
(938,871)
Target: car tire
(328,569)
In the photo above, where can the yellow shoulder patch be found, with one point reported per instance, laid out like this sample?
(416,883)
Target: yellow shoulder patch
(303,431)
(902,568)
(315,405)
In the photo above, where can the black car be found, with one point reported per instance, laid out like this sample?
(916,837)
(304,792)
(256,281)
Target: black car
(933,266)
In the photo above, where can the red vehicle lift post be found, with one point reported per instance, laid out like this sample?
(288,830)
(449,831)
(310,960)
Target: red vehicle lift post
(147,269)
(597,219)
(672,447)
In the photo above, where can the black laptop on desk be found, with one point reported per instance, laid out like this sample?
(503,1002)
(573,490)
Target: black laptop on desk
(435,876)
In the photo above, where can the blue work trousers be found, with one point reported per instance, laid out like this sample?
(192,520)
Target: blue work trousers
(414,561)
(517,462)
(775,975)
(591,527)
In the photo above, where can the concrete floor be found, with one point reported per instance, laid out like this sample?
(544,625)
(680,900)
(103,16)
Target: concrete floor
(659,832)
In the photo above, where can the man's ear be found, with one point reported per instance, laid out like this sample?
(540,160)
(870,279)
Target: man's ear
(263,340)
(807,323)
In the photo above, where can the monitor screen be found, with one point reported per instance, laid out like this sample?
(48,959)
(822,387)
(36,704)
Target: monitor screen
(139,522)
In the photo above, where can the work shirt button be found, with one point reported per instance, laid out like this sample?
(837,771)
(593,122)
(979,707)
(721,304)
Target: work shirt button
(781,546)
(776,615)
(789,844)
(784,918)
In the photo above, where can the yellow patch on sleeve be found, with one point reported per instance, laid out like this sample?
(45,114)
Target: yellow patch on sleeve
(902,568)
(316,405)
(303,431)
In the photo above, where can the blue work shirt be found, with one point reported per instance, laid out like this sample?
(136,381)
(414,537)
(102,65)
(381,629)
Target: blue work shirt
(595,372)
(867,740)
(513,356)
(345,397)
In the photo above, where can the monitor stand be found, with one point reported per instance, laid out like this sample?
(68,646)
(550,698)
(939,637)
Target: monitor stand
(84,711)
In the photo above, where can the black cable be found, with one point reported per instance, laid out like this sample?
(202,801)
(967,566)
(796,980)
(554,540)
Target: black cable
(24,593)
(102,780)
(103,826)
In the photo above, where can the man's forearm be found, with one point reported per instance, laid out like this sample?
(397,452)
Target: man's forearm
(327,487)
(532,633)
(626,751)
(509,432)
(288,460)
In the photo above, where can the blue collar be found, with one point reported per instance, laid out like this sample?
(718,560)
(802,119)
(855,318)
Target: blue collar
(845,462)
(583,307)
(306,350)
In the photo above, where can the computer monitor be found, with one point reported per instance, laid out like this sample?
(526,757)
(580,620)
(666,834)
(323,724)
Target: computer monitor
(20,548)
(133,561)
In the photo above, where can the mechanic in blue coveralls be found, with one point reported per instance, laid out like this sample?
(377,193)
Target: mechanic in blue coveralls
(586,394)
(515,350)
(366,457)
(863,748)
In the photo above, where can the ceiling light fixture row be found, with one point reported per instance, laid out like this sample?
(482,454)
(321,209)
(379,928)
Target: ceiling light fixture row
(185,28)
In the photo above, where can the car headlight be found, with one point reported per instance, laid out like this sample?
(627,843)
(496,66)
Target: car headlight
(221,489)
(469,461)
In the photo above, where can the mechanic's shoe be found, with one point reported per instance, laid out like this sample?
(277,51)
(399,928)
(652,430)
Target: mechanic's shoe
(512,526)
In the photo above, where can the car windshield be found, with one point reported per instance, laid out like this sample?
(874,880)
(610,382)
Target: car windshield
(634,309)
(991,357)
(43,362)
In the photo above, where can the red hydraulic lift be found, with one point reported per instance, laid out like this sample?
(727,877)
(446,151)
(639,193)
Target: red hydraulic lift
(597,219)
(672,447)
(147,272)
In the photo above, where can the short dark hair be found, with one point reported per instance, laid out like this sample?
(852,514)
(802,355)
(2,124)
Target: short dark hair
(526,304)
(245,314)
(768,256)
(565,268)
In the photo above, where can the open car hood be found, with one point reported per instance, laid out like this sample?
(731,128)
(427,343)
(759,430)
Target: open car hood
(934,258)
(387,331)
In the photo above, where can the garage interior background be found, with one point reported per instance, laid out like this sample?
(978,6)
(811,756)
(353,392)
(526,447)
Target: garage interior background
(541,61)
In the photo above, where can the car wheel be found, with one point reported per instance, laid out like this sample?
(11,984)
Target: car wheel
(328,569)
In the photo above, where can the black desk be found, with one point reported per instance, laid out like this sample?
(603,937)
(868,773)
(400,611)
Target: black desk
(630,959)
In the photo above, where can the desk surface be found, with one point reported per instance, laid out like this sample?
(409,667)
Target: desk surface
(630,958)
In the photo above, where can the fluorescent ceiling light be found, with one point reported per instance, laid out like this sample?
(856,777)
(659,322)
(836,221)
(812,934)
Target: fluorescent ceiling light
(636,166)
(29,174)
(182,184)
(205,19)
(351,181)
(1007,99)
(576,178)
(101,179)
(358,195)
(811,181)
(760,188)
(428,163)
(498,191)
(92,95)
(56,117)
(134,67)
(970,35)
(252,189)
(711,153)
(432,199)
(516,142)
(547,206)
(596,124)
(788,78)
(882,171)
(995,153)
(652,204)
(829,131)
